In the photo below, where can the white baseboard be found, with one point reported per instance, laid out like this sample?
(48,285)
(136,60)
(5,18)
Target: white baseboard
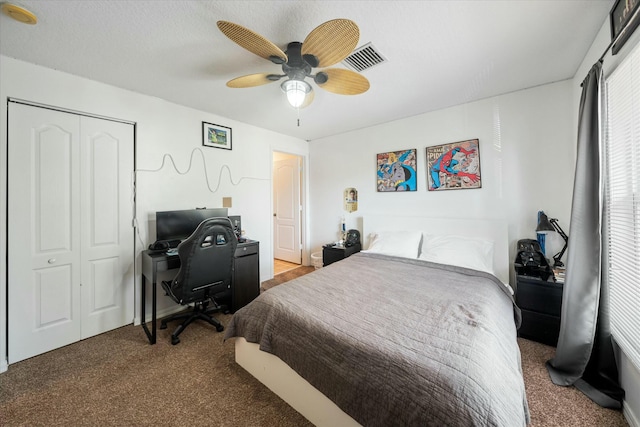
(629,415)
(4,365)
(159,314)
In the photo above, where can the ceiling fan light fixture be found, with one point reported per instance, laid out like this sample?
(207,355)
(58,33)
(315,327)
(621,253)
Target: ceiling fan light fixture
(296,91)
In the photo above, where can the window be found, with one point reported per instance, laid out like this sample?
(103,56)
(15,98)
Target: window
(622,202)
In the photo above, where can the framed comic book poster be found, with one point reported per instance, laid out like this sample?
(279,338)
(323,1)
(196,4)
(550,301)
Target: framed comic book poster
(397,171)
(454,166)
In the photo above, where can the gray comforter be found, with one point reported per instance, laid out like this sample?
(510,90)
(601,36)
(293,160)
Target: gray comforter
(394,341)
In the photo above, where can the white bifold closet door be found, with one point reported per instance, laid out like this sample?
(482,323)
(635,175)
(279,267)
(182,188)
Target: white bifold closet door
(70,232)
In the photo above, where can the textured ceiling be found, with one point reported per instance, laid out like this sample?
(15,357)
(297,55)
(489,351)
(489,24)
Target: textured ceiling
(440,53)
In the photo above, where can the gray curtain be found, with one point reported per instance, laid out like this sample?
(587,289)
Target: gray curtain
(584,355)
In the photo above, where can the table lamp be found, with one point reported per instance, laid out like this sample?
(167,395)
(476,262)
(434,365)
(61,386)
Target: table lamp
(544,226)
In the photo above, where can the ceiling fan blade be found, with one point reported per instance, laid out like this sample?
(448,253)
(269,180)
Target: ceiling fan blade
(250,80)
(251,41)
(332,41)
(344,82)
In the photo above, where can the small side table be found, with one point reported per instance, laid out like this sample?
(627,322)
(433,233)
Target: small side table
(541,304)
(338,252)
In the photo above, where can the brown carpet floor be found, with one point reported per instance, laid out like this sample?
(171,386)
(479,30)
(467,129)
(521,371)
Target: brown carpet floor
(118,379)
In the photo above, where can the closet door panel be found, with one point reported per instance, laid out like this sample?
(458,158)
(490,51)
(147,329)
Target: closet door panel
(43,231)
(52,188)
(107,237)
(53,296)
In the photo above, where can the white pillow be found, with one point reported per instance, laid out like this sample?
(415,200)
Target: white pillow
(459,251)
(397,243)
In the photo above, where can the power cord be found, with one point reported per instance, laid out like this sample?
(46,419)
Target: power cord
(206,176)
(206,173)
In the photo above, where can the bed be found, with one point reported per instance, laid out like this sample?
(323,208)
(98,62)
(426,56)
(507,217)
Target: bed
(395,336)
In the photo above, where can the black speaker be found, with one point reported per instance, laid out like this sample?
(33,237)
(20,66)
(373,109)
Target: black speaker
(352,239)
(236,223)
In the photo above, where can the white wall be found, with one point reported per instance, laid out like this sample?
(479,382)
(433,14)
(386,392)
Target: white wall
(527,154)
(161,128)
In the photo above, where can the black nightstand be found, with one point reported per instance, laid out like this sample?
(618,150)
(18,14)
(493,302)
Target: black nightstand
(541,304)
(337,253)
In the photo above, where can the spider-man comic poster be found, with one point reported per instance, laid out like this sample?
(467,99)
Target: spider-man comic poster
(454,166)
(397,171)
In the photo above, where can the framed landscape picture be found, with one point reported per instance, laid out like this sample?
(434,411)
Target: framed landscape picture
(216,136)
(454,166)
(397,171)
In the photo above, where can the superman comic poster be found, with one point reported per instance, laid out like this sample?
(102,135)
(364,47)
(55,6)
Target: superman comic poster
(454,166)
(397,171)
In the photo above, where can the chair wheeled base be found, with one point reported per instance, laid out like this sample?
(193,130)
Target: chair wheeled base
(199,311)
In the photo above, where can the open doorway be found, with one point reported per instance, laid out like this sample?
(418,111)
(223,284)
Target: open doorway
(287,212)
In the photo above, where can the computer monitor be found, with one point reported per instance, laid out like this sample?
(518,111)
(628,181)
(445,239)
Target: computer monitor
(175,226)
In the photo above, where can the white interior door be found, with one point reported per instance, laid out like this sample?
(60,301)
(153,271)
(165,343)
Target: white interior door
(43,230)
(106,228)
(64,277)
(286,202)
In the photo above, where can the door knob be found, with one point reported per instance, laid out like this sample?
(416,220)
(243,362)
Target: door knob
(51,261)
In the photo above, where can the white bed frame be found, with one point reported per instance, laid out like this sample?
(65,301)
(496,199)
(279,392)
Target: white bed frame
(295,390)
(291,387)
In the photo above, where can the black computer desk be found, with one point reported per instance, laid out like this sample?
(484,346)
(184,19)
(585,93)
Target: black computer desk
(244,288)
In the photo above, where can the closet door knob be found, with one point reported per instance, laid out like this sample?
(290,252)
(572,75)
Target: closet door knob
(52,261)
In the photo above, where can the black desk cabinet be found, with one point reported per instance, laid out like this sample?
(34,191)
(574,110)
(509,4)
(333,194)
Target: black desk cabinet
(337,253)
(246,280)
(541,303)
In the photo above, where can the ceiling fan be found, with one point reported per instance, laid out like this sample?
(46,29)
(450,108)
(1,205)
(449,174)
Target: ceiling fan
(326,45)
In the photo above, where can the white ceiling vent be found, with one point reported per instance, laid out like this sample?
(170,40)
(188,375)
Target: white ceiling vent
(363,58)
